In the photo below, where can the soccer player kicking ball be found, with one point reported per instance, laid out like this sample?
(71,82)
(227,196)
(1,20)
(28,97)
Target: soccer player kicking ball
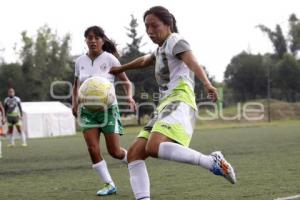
(168,134)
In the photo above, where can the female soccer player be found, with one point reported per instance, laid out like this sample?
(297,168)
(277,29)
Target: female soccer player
(168,134)
(13,112)
(98,61)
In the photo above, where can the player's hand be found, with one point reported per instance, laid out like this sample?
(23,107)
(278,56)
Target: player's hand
(116,70)
(212,92)
(132,104)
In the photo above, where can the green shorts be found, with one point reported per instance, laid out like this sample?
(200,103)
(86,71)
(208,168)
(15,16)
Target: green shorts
(107,122)
(176,121)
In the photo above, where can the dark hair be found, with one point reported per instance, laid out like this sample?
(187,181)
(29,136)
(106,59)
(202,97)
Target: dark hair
(164,15)
(108,45)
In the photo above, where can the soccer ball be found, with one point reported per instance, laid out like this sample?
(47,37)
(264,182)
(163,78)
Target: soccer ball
(96,93)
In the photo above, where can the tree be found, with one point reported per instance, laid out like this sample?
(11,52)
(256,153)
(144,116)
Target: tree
(286,65)
(277,39)
(11,76)
(45,59)
(28,67)
(143,80)
(294,34)
(246,76)
(286,78)
(132,50)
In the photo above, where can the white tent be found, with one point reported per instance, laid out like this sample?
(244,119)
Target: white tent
(47,119)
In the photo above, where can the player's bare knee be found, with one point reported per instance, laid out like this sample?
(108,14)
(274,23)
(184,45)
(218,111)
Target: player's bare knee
(133,154)
(152,149)
(116,153)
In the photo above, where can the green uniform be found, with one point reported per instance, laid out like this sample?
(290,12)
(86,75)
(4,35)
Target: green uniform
(107,122)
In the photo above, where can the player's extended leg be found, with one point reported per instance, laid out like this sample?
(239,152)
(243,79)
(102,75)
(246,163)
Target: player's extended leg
(113,147)
(23,136)
(92,139)
(10,135)
(158,146)
(139,178)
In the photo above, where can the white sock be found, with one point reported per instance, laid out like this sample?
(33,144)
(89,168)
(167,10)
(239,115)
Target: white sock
(23,138)
(124,160)
(176,152)
(11,139)
(139,179)
(101,169)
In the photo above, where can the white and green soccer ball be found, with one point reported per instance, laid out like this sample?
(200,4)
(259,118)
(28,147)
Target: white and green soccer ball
(97,93)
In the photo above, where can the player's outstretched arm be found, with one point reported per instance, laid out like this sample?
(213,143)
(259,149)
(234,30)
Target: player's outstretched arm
(139,63)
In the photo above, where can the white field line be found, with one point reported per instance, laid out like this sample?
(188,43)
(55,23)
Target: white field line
(289,198)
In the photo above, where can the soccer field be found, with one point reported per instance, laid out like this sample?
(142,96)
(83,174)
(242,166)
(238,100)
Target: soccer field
(266,158)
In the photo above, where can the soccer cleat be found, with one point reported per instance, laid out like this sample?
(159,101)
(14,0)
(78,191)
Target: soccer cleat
(24,145)
(107,190)
(222,168)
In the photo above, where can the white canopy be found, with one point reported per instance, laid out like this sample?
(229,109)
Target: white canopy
(47,119)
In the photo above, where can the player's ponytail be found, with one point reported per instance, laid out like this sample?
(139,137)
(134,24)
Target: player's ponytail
(110,47)
(164,15)
(174,28)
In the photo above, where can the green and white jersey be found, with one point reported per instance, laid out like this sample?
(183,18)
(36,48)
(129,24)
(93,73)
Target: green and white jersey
(12,106)
(176,81)
(85,67)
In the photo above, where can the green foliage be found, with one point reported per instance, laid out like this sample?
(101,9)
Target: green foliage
(277,39)
(44,59)
(294,33)
(286,77)
(143,80)
(11,75)
(246,75)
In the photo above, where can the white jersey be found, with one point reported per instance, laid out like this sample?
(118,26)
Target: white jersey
(174,78)
(86,68)
(169,69)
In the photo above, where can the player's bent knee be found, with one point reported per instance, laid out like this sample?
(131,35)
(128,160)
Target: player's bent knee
(133,154)
(116,153)
(152,149)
